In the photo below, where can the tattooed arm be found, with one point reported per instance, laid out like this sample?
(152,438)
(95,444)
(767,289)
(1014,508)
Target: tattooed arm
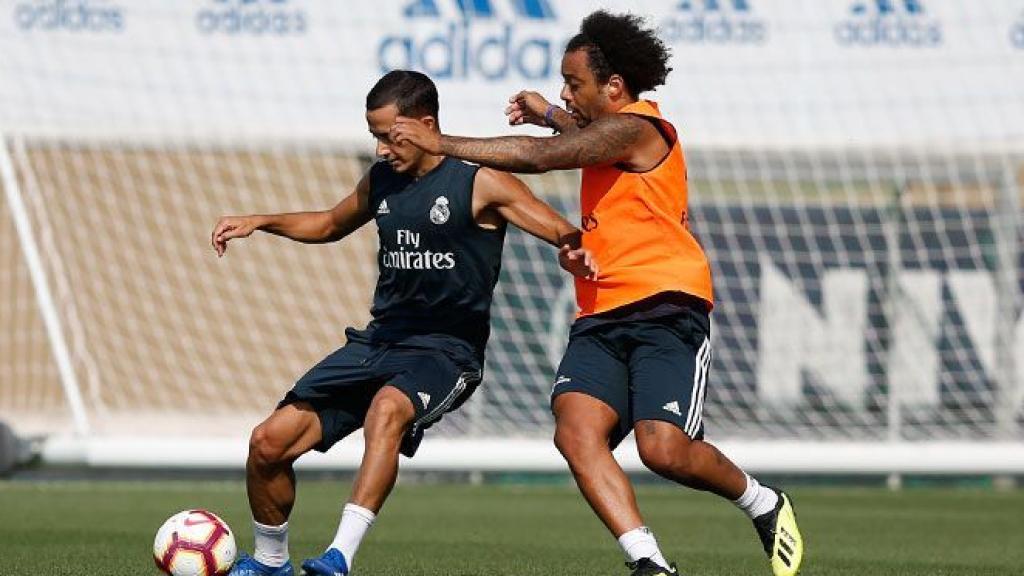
(608,140)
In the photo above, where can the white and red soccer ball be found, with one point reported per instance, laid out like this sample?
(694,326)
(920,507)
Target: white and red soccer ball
(194,543)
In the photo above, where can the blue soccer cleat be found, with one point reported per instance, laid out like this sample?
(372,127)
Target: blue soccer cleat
(330,563)
(249,566)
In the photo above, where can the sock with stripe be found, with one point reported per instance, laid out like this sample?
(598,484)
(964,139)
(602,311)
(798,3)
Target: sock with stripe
(640,543)
(756,499)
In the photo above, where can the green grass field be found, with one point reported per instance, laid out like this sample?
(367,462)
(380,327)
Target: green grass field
(97,528)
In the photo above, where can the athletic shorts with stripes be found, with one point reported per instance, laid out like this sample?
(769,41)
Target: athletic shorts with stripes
(653,369)
(341,387)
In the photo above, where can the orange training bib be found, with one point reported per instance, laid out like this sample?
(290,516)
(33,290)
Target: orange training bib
(635,224)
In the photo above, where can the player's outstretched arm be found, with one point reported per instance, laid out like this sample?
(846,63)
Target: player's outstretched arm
(309,227)
(607,140)
(512,201)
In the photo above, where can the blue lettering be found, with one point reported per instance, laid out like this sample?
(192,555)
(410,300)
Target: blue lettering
(542,48)
(500,43)
(475,8)
(445,48)
(422,8)
(248,17)
(72,16)
(385,49)
(454,52)
(716,28)
(535,9)
(24,16)
(895,24)
(889,31)
(206,21)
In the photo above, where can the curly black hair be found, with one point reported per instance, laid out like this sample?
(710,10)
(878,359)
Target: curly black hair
(620,44)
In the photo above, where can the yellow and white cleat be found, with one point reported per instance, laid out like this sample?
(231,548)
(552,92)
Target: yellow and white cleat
(781,537)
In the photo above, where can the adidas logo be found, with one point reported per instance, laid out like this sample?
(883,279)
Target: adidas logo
(425,398)
(383,208)
(672,407)
(714,22)
(518,9)
(785,550)
(889,23)
(525,35)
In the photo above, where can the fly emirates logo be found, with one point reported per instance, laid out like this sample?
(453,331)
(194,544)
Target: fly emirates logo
(408,256)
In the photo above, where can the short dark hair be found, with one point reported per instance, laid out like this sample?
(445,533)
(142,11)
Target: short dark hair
(620,44)
(413,93)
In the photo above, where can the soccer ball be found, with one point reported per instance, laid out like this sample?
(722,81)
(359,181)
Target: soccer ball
(194,543)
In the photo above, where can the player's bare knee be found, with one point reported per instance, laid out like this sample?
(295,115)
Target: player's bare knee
(390,414)
(574,442)
(665,457)
(259,451)
(264,449)
(565,441)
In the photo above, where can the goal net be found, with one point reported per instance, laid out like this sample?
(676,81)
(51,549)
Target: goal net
(855,176)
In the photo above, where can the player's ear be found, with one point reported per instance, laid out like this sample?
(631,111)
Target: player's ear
(430,121)
(615,88)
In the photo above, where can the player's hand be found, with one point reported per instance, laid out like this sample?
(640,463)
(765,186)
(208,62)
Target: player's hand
(527,108)
(578,261)
(416,133)
(230,227)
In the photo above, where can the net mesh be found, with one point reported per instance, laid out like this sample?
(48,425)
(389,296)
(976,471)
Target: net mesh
(839,277)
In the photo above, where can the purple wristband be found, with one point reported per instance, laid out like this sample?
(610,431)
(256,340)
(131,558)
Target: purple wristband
(549,116)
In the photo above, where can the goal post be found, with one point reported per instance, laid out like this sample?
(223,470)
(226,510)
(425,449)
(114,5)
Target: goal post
(43,295)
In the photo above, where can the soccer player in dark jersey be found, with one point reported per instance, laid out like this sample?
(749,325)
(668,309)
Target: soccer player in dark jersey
(441,226)
(639,351)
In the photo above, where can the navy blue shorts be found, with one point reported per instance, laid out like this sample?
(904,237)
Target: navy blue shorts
(341,387)
(653,369)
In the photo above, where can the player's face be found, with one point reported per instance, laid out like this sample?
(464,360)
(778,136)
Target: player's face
(402,157)
(582,93)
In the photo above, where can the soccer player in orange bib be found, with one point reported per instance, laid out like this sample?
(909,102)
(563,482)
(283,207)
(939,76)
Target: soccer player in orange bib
(639,350)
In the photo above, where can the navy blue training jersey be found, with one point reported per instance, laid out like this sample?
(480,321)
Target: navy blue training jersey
(438,267)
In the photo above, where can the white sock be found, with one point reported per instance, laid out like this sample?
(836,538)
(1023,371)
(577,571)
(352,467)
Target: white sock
(756,499)
(355,522)
(271,544)
(640,543)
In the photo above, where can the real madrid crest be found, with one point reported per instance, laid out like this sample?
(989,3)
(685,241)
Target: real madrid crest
(440,212)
